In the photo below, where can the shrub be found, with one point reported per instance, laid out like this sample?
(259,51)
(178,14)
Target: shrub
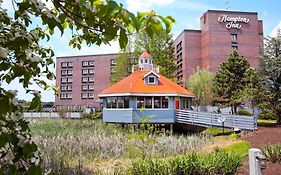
(210,164)
(272,153)
(244,112)
(217,132)
(97,115)
(62,113)
(267,115)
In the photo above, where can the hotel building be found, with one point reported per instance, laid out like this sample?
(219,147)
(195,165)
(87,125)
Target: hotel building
(82,78)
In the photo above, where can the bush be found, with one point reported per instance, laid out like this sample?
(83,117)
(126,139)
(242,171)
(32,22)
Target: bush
(62,113)
(273,153)
(210,164)
(267,115)
(97,115)
(244,112)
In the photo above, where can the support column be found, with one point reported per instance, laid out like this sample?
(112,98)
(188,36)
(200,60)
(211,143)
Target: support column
(171,128)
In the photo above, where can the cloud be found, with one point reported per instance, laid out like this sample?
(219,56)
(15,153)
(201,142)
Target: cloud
(145,5)
(274,32)
(192,5)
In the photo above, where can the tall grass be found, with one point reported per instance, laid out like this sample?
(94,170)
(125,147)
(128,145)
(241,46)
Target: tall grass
(272,153)
(87,142)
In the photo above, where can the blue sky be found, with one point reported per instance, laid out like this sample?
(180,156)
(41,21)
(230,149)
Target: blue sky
(186,12)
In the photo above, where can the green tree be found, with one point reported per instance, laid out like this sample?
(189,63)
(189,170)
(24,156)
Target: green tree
(201,83)
(234,81)
(23,58)
(161,48)
(270,70)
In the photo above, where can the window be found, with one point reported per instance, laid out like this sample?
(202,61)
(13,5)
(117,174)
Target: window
(157,102)
(151,80)
(112,62)
(90,95)
(91,87)
(84,71)
(126,102)
(145,61)
(114,102)
(91,71)
(234,38)
(117,102)
(63,72)
(69,80)
(91,63)
(63,80)
(69,72)
(84,95)
(120,102)
(140,102)
(66,96)
(69,95)
(148,102)
(165,102)
(141,61)
(234,47)
(69,88)
(84,87)
(91,79)
(185,103)
(108,102)
(69,64)
(85,63)
(63,88)
(64,64)
(84,79)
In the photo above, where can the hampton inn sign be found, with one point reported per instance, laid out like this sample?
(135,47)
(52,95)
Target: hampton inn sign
(233,22)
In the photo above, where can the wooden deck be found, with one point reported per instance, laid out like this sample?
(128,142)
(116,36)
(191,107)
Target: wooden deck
(206,119)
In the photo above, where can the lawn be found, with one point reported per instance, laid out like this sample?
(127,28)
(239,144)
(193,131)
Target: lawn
(93,146)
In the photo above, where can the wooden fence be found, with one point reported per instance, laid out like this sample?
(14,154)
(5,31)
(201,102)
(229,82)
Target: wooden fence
(206,119)
(51,115)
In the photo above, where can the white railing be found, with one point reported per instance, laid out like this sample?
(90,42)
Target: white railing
(51,115)
(206,119)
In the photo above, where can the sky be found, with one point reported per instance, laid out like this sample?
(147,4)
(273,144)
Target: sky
(187,14)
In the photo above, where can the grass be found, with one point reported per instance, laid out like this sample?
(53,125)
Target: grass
(96,146)
(272,153)
(266,122)
(217,132)
(240,148)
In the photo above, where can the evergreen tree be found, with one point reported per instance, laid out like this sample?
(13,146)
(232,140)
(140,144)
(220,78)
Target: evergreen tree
(201,83)
(233,81)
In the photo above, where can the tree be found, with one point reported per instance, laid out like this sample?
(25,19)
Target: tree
(233,81)
(201,83)
(270,70)
(161,49)
(23,58)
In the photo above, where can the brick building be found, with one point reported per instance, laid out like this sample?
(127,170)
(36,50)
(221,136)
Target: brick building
(221,32)
(81,78)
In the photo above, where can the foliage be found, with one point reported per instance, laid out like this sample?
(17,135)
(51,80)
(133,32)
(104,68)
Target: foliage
(262,122)
(234,81)
(271,76)
(241,148)
(62,113)
(94,116)
(267,115)
(211,164)
(201,83)
(244,112)
(93,143)
(25,60)
(272,153)
(161,49)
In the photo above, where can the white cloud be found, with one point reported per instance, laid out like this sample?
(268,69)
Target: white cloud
(145,5)
(273,33)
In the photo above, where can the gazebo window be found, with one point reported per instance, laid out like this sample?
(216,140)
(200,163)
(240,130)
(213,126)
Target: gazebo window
(126,102)
(148,102)
(165,102)
(114,102)
(140,102)
(157,102)
(120,102)
(151,80)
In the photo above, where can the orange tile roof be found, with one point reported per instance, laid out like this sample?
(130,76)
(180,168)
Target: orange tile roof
(145,54)
(134,84)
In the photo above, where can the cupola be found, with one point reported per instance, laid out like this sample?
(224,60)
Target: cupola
(145,61)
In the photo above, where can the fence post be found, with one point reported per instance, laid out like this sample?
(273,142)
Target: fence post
(256,161)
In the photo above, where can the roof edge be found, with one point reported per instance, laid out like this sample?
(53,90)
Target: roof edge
(145,94)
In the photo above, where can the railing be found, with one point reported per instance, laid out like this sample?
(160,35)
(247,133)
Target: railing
(206,119)
(51,115)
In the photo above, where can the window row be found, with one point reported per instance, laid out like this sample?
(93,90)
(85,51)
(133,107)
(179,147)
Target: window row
(88,63)
(66,88)
(87,95)
(146,61)
(87,87)
(66,96)
(66,80)
(179,47)
(66,72)
(117,102)
(88,79)
(66,64)
(153,102)
(88,71)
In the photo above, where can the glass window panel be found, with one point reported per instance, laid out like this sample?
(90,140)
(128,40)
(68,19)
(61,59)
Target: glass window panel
(148,102)
(126,102)
(108,102)
(165,102)
(151,80)
(140,102)
(120,102)
(157,102)
(114,102)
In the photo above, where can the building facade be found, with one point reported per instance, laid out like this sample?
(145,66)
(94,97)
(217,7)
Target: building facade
(81,78)
(220,33)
